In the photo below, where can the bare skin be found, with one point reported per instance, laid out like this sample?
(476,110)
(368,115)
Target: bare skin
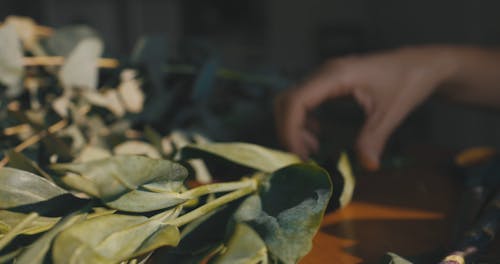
(388,86)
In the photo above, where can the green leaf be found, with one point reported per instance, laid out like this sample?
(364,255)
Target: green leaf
(18,188)
(41,224)
(248,155)
(145,201)
(9,236)
(113,238)
(37,251)
(128,183)
(203,86)
(19,161)
(10,256)
(245,246)
(200,238)
(154,138)
(288,210)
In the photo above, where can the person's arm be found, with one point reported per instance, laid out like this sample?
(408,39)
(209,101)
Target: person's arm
(388,86)
(476,77)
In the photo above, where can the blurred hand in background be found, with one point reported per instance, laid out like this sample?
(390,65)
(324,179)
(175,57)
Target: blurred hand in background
(388,86)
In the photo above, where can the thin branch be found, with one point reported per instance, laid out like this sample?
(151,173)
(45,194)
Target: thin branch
(36,138)
(204,209)
(14,130)
(18,228)
(42,31)
(59,60)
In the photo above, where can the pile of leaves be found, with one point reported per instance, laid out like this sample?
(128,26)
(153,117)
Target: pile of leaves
(81,182)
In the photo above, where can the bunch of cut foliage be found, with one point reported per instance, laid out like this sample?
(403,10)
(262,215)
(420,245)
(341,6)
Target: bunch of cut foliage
(124,207)
(82,182)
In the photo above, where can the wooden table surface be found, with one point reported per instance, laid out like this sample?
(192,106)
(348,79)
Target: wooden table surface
(406,210)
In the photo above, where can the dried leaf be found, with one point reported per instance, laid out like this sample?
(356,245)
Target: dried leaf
(109,99)
(80,67)
(167,145)
(90,153)
(344,167)
(11,60)
(136,148)
(25,28)
(130,92)
(61,106)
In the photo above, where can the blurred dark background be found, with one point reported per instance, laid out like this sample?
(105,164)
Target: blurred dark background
(295,37)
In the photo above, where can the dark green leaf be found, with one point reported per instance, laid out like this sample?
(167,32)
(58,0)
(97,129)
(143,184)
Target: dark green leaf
(19,188)
(204,83)
(200,239)
(245,246)
(151,52)
(288,210)
(248,155)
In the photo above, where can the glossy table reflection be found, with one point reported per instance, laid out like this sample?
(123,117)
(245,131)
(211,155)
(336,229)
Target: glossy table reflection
(408,211)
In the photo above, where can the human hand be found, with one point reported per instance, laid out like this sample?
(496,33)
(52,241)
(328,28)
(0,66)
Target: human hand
(386,85)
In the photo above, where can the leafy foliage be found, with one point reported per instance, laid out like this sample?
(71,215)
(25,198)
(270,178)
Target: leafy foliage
(85,178)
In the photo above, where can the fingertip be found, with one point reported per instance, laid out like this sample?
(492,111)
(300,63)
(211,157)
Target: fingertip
(369,157)
(310,141)
(301,152)
(369,163)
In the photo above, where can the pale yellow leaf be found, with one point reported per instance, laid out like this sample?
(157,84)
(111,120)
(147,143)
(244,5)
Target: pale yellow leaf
(136,148)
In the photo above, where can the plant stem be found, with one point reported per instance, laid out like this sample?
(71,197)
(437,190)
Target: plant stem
(35,138)
(59,60)
(14,231)
(204,209)
(215,188)
(9,256)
